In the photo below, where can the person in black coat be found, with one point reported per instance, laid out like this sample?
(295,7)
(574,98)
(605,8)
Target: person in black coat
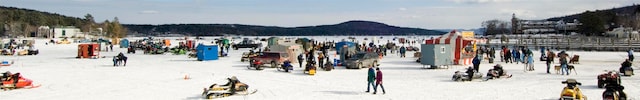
(470,72)
(626,65)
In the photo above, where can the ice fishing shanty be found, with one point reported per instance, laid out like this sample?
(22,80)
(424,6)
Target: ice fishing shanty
(207,52)
(88,50)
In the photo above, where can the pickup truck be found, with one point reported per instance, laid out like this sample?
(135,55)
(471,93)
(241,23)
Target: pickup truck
(246,44)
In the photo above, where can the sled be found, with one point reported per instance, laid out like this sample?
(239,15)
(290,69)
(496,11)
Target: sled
(312,71)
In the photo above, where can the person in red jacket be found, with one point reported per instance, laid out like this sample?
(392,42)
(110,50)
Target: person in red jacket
(378,82)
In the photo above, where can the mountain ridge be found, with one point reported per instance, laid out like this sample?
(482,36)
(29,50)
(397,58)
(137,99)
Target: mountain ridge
(353,27)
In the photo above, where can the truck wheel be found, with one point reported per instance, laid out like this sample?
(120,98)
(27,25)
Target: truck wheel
(359,66)
(235,48)
(241,60)
(273,64)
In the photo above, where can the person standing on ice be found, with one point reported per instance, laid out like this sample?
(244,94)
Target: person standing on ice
(403,50)
(300,59)
(563,62)
(476,63)
(370,77)
(549,59)
(630,54)
(530,61)
(378,82)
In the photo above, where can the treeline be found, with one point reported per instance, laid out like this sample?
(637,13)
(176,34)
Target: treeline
(346,28)
(21,22)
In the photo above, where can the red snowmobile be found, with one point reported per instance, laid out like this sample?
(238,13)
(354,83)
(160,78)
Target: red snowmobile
(15,81)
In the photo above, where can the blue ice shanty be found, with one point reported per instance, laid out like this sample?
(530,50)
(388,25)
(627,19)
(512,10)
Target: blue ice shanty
(339,45)
(207,52)
(124,43)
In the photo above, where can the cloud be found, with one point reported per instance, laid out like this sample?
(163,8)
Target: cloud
(479,1)
(402,9)
(149,12)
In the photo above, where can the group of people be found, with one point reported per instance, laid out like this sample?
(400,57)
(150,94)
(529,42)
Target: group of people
(120,59)
(517,55)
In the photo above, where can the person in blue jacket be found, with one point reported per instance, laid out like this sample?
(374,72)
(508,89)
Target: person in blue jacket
(403,50)
(476,63)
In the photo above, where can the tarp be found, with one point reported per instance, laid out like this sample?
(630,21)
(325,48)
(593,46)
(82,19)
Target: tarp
(124,43)
(339,45)
(292,49)
(305,43)
(272,41)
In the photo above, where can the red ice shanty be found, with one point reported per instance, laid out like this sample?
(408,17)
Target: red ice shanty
(459,41)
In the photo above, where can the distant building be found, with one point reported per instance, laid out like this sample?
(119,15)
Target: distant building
(521,26)
(64,32)
(43,31)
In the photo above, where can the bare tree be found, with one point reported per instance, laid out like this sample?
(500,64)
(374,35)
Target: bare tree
(494,27)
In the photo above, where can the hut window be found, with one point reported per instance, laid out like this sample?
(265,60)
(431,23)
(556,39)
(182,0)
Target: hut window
(441,49)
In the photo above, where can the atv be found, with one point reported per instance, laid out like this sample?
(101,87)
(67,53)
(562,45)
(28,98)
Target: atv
(611,77)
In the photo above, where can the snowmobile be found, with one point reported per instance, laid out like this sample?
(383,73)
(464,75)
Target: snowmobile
(571,91)
(286,66)
(310,69)
(495,74)
(610,77)
(219,91)
(614,92)
(461,76)
(256,64)
(15,81)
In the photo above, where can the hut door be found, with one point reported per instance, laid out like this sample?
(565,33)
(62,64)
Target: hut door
(90,50)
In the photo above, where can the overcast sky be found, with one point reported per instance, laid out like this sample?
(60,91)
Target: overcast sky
(428,14)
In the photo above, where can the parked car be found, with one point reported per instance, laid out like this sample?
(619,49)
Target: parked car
(273,58)
(247,44)
(361,60)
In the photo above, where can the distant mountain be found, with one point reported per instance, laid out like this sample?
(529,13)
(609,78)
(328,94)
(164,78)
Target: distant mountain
(345,28)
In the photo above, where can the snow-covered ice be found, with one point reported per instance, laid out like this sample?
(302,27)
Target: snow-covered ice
(160,77)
